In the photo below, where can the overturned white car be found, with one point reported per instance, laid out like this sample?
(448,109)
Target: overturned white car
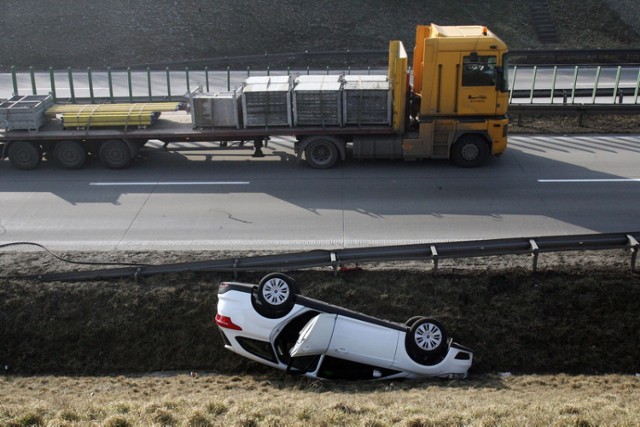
(273,324)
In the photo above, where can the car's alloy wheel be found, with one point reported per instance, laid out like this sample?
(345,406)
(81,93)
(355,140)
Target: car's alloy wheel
(276,293)
(426,340)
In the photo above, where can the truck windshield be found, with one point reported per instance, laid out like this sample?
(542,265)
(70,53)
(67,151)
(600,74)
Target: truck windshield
(479,70)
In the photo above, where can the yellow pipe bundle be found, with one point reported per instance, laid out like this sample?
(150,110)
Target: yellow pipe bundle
(94,115)
(101,119)
(91,108)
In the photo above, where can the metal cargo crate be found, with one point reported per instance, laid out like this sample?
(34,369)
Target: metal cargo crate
(317,101)
(367,100)
(216,109)
(24,112)
(266,101)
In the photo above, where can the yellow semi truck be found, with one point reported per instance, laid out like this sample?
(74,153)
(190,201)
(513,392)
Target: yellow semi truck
(451,104)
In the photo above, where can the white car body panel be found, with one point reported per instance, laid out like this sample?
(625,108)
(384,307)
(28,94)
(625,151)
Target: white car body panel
(363,342)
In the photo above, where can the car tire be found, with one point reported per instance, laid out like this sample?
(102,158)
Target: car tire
(426,341)
(276,294)
(409,323)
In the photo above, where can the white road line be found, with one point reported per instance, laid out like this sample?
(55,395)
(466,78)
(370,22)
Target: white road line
(592,180)
(123,183)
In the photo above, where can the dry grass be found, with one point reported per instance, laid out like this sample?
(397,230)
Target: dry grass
(278,400)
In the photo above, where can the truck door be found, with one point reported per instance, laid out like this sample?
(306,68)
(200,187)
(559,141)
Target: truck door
(478,95)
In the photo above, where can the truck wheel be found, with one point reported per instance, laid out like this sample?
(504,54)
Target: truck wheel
(25,155)
(115,154)
(470,151)
(322,152)
(70,154)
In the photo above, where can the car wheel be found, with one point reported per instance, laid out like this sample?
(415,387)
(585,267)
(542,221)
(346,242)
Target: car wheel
(426,340)
(277,293)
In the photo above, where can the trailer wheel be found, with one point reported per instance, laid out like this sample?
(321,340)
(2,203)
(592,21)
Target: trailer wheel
(321,152)
(470,151)
(115,154)
(25,155)
(70,154)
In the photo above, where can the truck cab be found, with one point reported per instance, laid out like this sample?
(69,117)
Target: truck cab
(455,107)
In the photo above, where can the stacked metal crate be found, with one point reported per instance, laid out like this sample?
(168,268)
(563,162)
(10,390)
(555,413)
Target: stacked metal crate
(367,100)
(216,109)
(24,112)
(317,101)
(266,101)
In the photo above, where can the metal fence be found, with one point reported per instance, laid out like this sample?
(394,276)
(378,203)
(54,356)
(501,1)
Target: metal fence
(530,85)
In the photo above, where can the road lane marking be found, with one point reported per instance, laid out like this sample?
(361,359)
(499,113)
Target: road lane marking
(591,180)
(123,183)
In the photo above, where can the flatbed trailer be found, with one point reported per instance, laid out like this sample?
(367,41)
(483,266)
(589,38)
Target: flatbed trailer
(118,146)
(453,107)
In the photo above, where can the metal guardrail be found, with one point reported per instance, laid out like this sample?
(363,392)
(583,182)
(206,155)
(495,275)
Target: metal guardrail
(434,252)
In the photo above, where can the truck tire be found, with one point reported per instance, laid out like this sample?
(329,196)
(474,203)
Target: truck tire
(70,154)
(321,152)
(24,155)
(470,151)
(115,154)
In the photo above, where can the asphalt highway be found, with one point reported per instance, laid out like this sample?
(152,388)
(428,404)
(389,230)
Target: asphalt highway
(542,185)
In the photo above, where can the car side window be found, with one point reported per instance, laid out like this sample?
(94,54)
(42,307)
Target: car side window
(479,70)
(257,348)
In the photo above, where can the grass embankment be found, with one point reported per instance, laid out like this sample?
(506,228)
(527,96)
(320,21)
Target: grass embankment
(570,320)
(277,400)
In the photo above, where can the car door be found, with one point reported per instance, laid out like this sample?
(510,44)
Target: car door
(314,338)
(363,342)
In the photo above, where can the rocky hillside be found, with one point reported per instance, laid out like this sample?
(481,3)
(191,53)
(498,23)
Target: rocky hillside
(61,33)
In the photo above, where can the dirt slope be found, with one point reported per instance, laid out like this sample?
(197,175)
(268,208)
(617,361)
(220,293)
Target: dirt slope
(61,33)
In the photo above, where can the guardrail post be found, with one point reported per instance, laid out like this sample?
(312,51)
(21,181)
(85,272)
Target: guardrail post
(513,83)
(206,77)
(34,90)
(53,84)
(130,84)
(635,92)
(595,84)
(90,77)
(186,74)
(633,246)
(334,263)
(553,81)
(575,82)
(110,80)
(228,78)
(71,89)
(533,83)
(168,83)
(268,70)
(616,92)
(14,80)
(149,83)
(434,257)
(535,250)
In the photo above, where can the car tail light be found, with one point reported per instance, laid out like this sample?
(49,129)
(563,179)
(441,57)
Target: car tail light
(226,322)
